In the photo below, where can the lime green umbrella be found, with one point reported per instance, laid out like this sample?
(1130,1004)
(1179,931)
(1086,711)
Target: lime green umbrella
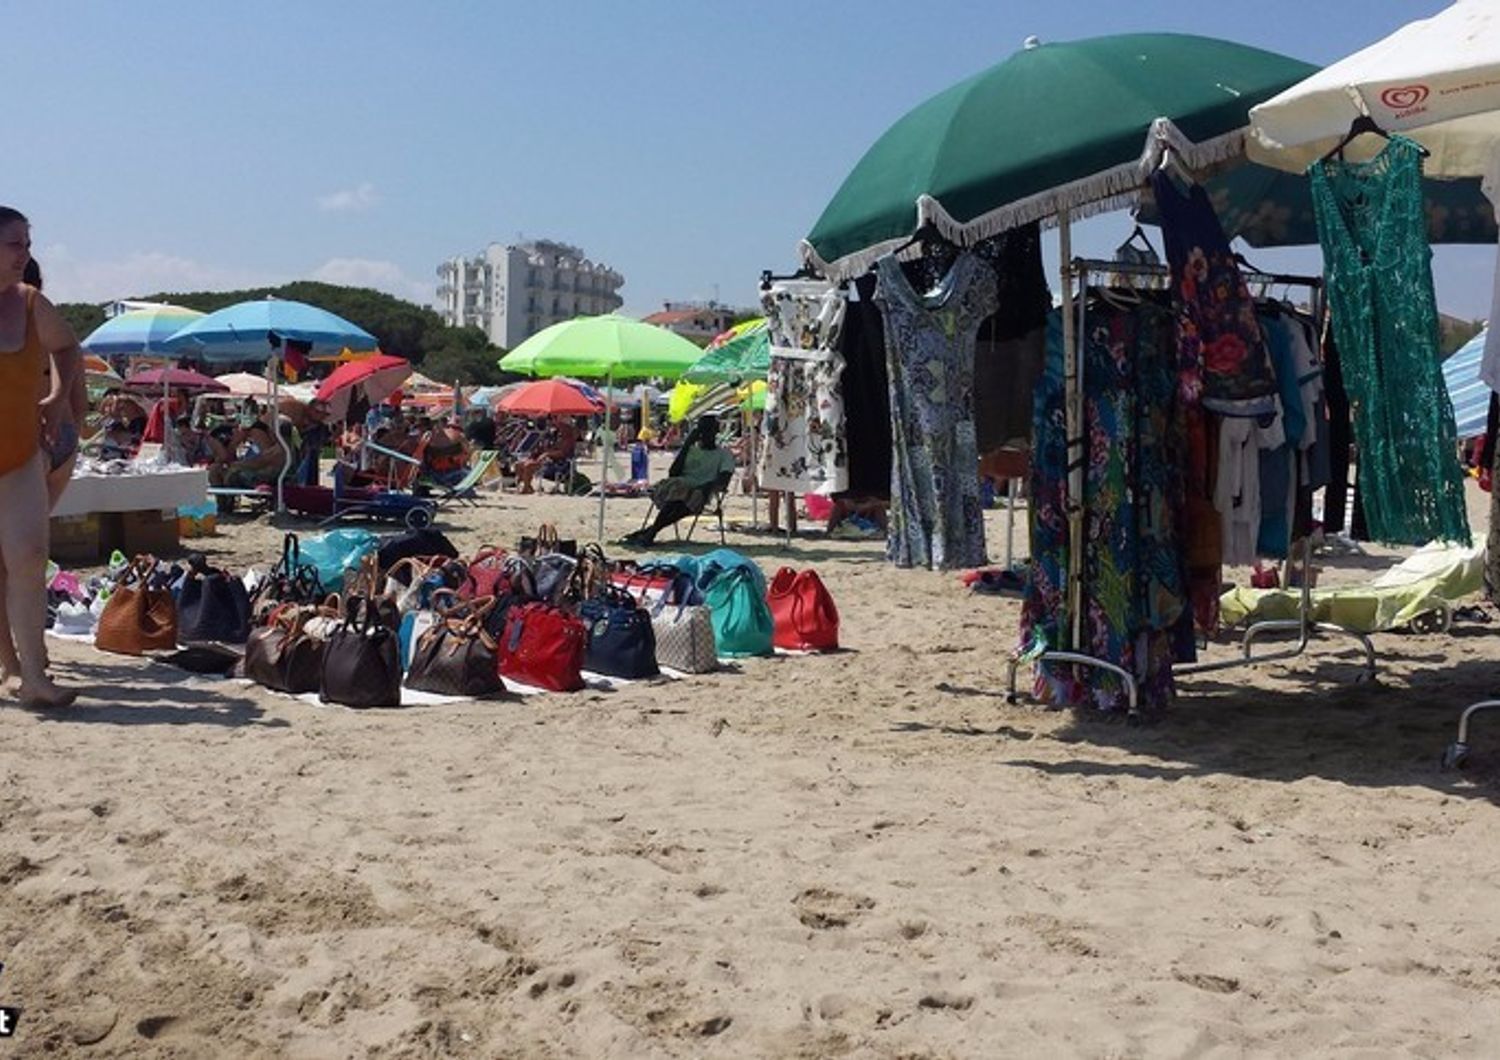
(1056,127)
(746,355)
(612,348)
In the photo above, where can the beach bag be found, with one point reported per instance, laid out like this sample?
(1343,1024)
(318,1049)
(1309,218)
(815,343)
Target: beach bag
(362,661)
(803,610)
(742,620)
(545,541)
(336,551)
(283,656)
(543,646)
(553,575)
(684,629)
(620,639)
(212,605)
(423,542)
(720,560)
(139,615)
(485,575)
(290,582)
(457,656)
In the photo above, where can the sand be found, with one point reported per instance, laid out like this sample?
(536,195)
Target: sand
(864,854)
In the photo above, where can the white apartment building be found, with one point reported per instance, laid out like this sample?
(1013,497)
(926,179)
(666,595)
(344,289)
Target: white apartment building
(512,292)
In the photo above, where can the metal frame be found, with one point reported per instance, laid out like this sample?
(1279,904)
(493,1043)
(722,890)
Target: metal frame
(1079,270)
(1458,751)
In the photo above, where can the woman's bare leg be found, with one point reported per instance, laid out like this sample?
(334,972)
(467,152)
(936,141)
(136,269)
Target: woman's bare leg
(23,549)
(10,662)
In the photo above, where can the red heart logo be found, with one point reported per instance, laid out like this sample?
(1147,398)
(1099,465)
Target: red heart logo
(1404,96)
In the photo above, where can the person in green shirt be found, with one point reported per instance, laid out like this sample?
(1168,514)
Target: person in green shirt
(702,468)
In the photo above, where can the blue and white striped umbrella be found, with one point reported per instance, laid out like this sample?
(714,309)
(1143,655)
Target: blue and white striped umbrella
(1470,397)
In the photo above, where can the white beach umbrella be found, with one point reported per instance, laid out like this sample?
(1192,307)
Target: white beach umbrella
(1436,80)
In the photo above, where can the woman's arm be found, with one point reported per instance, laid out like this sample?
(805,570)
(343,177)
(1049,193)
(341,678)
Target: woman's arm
(67,400)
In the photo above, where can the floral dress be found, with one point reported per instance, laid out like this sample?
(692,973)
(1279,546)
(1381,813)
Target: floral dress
(803,448)
(936,518)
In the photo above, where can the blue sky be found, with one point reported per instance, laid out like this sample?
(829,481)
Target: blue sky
(189,145)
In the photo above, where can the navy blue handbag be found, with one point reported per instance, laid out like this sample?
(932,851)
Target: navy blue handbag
(621,642)
(213,605)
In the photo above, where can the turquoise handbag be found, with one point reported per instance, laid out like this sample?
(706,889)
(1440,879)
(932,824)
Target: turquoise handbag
(742,620)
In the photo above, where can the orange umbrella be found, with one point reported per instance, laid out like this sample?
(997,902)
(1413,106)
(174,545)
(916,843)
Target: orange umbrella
(548,397)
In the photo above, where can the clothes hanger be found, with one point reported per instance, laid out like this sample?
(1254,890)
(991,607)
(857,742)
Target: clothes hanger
(924,234)
(1359,127)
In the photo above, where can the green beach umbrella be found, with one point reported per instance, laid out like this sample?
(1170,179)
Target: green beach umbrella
(1074,126)
(746,355)
(612,348)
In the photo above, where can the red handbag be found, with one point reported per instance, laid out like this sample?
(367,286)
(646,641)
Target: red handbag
(805,616)
(543,646)
(486,572)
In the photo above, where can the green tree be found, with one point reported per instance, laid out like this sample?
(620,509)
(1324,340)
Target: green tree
(464,355)
(81,317)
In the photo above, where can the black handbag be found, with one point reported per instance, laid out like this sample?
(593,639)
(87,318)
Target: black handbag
(283,656)
(290,582)
(621,642)
(362,660)
(213,605)
(424,542)
(457,656)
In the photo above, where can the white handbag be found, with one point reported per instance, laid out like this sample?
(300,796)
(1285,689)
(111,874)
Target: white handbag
(684,637)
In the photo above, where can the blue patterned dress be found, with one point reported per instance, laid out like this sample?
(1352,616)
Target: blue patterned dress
(936,518)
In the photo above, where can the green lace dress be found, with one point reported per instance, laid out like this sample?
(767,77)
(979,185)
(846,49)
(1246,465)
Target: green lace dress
(1379,272)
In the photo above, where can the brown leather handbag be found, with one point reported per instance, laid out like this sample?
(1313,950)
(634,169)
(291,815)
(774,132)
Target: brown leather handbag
(138,617)
(284,656)
(457,656)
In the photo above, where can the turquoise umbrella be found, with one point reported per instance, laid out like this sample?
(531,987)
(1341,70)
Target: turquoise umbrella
(1469,394)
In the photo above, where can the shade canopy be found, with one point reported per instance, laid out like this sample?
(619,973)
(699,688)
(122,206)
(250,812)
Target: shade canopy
(548,397)
(139,330)
(1469,394)
(1437,80)
(176,379)
(603,347)
(243,331)
(373,378)
(1076,125)
(243,384)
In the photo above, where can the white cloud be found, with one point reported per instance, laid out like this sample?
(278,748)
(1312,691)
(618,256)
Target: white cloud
(348,199)
(70,279)
(384,276)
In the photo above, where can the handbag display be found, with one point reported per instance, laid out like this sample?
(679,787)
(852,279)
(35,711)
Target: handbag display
(283,656)
(543,646)
(803,611)
(457,656)
(362,661)
(741,618)
(290,581)
(684,629)
(486,571)
(411,582)
(621,642)
(212,605)
(545,541)
(139,615)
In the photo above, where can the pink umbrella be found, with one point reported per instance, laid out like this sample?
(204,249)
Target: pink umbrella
(376,378)
(176,379)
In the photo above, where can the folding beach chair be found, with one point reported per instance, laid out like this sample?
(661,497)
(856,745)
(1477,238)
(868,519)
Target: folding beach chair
(715,501)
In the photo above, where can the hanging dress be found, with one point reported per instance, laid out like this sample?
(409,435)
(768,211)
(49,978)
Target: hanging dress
(1372,227)
(803,447)
(936,517)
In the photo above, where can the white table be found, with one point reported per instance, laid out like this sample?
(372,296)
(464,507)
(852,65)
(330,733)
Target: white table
(162,489)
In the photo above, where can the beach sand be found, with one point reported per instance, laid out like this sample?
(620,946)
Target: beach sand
(862,854)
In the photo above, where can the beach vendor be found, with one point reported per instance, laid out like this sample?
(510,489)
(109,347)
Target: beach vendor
(32,424)
(701,469)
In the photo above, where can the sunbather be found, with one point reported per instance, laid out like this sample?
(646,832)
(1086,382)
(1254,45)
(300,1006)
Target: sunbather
(560,452)
(701,469)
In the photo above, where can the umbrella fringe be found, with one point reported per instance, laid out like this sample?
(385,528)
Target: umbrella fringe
(1111,189)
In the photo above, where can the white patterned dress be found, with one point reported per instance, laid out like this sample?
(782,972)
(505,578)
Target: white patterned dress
(803,446)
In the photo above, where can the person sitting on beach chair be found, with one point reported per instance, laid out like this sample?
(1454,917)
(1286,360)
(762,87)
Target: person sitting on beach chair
(261,464)
(701,471)
(445,454)
(557,455)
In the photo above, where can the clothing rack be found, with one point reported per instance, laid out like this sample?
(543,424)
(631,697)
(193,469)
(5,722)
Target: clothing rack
(1079,270)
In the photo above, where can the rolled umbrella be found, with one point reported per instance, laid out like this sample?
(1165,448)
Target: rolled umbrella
(374,378)
(549,397)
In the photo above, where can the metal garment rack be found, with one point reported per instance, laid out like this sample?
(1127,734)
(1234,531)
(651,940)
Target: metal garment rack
(1079,270)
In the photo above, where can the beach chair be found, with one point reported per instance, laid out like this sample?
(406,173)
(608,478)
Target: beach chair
(464,491)
(715,502)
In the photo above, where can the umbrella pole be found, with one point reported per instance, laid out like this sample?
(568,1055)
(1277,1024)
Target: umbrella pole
(276,430)
(1073,412)
(750,471)
(606,442)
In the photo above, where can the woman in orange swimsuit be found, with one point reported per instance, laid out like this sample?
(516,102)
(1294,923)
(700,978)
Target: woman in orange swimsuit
(32,333)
